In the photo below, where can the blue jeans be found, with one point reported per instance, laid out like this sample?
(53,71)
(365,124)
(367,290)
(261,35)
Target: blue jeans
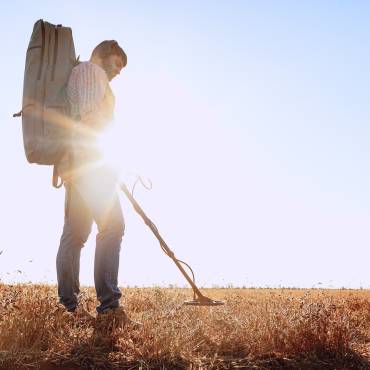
(91,196)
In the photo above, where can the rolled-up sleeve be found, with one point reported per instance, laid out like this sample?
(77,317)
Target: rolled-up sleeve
(86,89)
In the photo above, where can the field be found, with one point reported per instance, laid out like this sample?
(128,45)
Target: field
(255,329)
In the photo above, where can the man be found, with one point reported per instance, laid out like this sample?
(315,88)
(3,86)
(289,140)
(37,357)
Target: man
(91,186)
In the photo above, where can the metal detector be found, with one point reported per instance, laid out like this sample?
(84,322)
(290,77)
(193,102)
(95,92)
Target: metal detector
(199,299)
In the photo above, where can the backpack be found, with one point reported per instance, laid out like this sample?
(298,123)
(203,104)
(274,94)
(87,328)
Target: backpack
(45,110)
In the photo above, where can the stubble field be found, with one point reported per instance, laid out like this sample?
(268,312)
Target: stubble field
(255,329)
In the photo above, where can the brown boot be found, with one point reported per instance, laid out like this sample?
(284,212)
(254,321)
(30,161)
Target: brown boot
(81,316)
(116,317)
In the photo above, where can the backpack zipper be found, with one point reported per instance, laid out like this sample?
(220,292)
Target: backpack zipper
(55,52)
(42,50)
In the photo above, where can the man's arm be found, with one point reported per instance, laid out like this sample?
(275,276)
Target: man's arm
(86,90)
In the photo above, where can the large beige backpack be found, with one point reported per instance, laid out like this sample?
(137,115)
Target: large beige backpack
(45,109)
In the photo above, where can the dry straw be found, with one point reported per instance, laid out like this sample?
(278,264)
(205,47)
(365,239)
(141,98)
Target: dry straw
(257,328)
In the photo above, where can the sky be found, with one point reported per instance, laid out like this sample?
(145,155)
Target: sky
(250,118)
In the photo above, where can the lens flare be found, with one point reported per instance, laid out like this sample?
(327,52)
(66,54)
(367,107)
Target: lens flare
(111,148)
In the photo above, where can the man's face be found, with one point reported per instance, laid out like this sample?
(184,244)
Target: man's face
(112,66)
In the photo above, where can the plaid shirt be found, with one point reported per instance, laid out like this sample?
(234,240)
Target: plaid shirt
(92,104)
(89,94)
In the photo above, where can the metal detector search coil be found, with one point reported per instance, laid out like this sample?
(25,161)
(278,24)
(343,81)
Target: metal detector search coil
(210,302)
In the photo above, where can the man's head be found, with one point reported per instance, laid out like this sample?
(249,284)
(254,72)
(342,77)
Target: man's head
(110,56)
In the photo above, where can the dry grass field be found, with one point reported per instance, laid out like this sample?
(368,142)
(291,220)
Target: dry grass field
(255,329)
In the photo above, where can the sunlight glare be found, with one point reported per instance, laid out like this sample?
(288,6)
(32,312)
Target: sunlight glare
(111,146)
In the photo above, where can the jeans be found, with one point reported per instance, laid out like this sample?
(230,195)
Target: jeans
(91,196)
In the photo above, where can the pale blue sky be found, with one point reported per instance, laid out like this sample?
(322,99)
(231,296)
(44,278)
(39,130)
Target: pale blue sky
(251,118)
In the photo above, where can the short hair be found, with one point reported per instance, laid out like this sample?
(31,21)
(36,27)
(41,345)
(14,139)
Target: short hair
(107,48)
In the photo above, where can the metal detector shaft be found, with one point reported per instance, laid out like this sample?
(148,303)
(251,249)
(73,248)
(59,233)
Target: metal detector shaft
(163,243)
